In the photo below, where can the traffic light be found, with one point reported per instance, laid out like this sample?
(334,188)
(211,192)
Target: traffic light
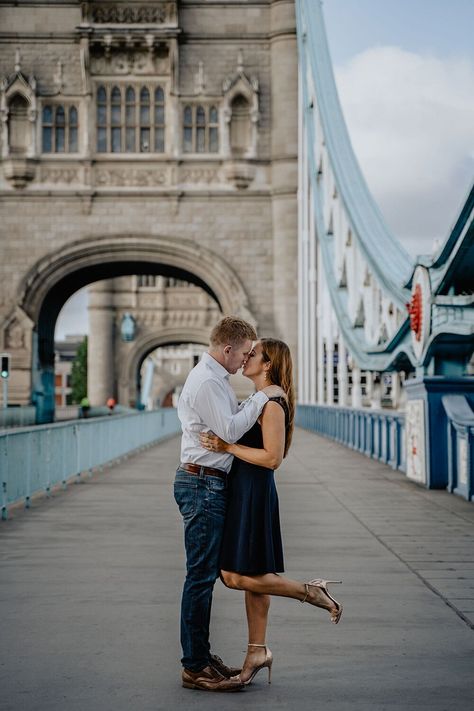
(5,366)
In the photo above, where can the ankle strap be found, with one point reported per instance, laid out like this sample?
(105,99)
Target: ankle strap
(307,593)
(256,645)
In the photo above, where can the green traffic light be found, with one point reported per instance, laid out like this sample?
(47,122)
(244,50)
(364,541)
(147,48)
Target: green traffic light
(5,366)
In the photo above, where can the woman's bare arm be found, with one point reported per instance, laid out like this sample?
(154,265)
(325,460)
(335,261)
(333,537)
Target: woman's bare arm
(273,432)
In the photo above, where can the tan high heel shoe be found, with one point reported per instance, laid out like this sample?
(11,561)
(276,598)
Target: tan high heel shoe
(322,585)
(266,664)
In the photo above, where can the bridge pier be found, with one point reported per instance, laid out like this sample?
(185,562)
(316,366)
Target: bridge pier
(100,354)
(426,427)
(42,396)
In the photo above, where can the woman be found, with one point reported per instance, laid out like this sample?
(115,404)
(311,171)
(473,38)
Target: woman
(252,554)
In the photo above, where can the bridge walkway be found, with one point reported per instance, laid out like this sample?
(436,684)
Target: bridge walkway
(90,588)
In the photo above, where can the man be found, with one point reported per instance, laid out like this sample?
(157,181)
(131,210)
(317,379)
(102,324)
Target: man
(207,402)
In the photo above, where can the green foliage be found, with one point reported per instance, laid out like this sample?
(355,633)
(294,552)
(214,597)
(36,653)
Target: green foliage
(79,374)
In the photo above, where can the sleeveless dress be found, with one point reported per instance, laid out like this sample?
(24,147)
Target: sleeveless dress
(252,538)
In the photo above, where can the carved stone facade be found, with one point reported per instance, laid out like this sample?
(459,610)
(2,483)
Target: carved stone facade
(144,138)
(155,306)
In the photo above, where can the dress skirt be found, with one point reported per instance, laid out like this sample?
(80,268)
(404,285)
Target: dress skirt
(252,542)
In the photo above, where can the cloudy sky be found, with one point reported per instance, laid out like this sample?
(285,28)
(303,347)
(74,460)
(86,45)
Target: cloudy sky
(405,75)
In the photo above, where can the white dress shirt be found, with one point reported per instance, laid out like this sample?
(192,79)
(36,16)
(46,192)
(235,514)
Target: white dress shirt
(207,402)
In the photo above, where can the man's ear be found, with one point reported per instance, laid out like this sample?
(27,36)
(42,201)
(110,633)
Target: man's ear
(227,349)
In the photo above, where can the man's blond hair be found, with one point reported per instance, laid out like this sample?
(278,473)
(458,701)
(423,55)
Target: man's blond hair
(232,331)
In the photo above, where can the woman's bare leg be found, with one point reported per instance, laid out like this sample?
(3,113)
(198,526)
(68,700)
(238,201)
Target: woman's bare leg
(273,584)
(256,606)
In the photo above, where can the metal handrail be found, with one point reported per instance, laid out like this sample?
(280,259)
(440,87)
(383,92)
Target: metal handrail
(35,459)
(376,433)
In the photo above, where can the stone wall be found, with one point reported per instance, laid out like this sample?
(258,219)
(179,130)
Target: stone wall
(243,211)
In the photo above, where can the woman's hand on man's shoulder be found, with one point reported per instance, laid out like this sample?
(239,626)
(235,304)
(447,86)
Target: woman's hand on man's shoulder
(274,391)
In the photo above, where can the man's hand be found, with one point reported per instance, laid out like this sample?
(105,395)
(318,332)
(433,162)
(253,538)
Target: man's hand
(274,391)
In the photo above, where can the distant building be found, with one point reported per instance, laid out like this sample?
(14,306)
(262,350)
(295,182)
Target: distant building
(64,354)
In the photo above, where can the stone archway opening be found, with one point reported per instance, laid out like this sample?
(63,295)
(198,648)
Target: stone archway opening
(163,372)
(132,376)
(55,278)
(173,358)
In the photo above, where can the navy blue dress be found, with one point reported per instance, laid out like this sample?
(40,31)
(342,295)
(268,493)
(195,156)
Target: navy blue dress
(252,537)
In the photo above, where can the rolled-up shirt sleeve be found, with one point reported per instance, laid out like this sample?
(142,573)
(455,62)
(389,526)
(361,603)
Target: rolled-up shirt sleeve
(215,411)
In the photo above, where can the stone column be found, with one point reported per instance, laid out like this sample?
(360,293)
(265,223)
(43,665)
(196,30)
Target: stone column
(100,358)
(342,373)
(329,371)
(396,388)
(376,391)
(284,148)
(356,388)
(369,387)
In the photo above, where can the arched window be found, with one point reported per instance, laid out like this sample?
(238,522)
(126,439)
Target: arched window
(144,120)
(159,120)
(101,120)
(73,128)
(188,130)
(213,130)
(200,129)
(60,127)
(148,280)
(116,120)
(130,119)
(47,129)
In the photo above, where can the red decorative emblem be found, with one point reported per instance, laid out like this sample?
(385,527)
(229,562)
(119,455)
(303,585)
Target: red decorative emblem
(415,310)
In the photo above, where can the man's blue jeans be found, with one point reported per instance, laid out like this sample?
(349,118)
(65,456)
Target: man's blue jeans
(202,501)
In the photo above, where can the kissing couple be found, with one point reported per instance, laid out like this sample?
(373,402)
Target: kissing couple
(225,491)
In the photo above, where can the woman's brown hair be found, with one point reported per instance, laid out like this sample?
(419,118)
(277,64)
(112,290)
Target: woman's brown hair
(280,373)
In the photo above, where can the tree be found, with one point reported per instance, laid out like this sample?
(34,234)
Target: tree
(79,374)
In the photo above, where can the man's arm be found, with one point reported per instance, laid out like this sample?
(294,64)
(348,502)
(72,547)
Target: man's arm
(213,407)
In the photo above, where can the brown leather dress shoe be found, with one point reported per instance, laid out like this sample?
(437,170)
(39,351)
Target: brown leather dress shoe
(208,679)
(216,663)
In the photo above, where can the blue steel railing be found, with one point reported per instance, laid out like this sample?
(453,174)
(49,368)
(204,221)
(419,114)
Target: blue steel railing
(17,416)
(36,459)
(375,433)
(460,433)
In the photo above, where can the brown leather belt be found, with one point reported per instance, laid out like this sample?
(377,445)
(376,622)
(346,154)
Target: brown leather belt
(198,469)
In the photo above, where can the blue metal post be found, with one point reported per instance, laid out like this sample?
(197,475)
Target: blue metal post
(426,394)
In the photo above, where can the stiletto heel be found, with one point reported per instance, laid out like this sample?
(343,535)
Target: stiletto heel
(266,664)
(322,585)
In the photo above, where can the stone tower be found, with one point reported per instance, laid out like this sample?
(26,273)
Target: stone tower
(149,137)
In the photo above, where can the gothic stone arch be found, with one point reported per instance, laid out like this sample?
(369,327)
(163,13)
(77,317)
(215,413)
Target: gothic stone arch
(86,260)
(60,274)
(128,371)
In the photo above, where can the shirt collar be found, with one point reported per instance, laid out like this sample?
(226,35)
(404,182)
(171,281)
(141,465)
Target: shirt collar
(214,365)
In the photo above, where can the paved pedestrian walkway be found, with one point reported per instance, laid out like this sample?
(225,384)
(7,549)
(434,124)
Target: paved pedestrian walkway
(90,586)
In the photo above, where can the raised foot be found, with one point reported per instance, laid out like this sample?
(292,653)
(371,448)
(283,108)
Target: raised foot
(317,594)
